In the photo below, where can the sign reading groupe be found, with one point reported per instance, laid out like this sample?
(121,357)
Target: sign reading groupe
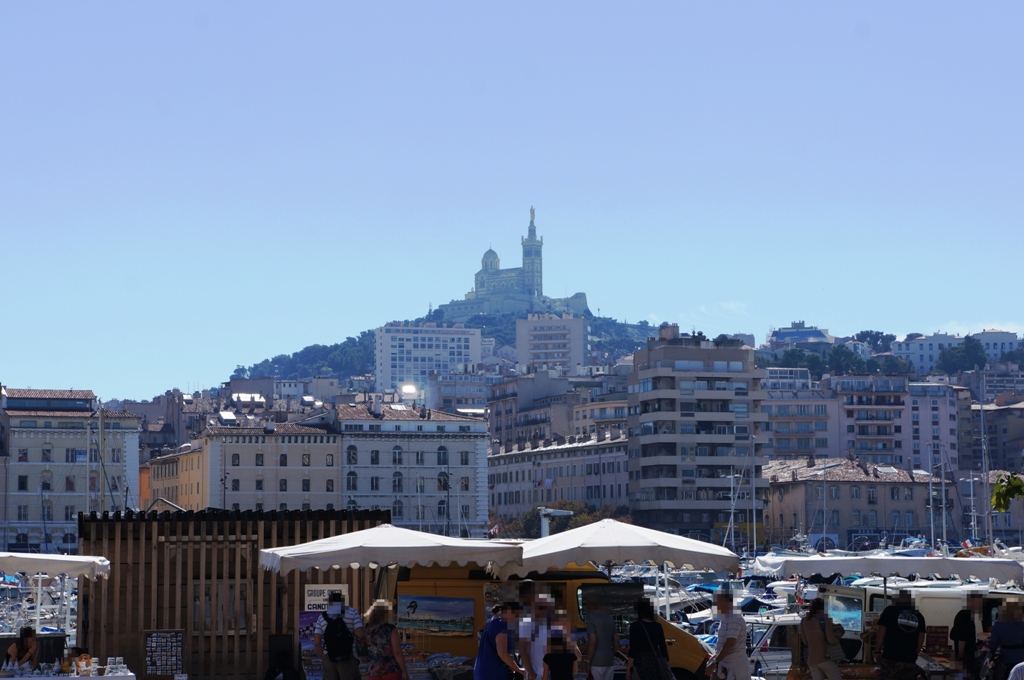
(316,596)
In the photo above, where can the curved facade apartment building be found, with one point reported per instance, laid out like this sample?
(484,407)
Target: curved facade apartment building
(695,439)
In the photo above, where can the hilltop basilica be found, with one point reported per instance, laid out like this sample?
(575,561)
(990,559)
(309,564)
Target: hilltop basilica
(512,291)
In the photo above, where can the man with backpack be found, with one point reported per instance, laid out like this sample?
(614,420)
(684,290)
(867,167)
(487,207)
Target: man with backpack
(334,639)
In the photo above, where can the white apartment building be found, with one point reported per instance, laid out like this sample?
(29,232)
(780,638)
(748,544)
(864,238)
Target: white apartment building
(51,443)
(801,423)
(586,469)
(923,352)
(996,342)
(940,426)
(873,421)
(695,436)
(546,341)
(407,353)
(428,467)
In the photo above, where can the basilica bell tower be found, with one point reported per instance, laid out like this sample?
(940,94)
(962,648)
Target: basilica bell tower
(533,277)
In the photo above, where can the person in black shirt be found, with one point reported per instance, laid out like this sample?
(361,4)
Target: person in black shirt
(965,635)
(899,639)
(646,643)
(559,663)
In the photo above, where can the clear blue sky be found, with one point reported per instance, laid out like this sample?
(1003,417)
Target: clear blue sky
(189,186)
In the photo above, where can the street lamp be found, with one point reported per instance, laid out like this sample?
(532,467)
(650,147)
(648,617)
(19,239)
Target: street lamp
(224,490)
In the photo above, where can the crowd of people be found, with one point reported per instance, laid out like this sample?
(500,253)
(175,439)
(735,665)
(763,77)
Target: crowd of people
(529,638)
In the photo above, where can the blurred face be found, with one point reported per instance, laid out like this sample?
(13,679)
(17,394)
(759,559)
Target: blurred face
(724,603)
(974,603)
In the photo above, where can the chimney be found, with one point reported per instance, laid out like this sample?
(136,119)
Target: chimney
(600,435)
(615,433)
(792,475)
(668,331)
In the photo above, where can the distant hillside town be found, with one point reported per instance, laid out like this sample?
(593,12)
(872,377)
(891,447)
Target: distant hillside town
(466,420)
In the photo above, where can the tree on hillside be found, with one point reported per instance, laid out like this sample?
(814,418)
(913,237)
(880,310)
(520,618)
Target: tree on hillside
(842,359)
(891,365)
(963,357)
(1014,355)
(880,342)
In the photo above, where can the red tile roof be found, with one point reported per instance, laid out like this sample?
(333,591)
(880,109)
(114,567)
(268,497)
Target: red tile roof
(19,393)
(839,470)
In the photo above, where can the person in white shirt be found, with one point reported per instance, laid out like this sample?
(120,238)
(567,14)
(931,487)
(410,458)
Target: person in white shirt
(346,669)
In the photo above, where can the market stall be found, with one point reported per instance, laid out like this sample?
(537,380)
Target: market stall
(41,568)
(612,542)
(390,547)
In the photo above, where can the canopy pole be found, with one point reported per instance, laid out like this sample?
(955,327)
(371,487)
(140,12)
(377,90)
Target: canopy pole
(39,603)
(67,610)
(885,591)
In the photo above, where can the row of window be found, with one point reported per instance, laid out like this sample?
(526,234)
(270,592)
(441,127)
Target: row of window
(70,482)
(281,439)
(907,519)
(71,456)
(421,512)
(872,493)
(575,493)
(352,458)
(785,410)
(555,472)
(797,444)
(352,483)
(68,539)
(65,425)
(70,514)
(799,427)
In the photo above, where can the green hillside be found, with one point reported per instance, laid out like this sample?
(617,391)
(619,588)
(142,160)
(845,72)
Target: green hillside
(354,355)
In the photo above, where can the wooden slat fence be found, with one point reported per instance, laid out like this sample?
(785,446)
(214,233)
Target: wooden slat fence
(199,572)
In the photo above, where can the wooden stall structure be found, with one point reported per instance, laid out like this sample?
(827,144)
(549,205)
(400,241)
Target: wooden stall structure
(198,573)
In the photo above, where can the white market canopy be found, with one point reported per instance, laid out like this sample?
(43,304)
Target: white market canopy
(387,544)
(982,568)
(616,542)
(72,565)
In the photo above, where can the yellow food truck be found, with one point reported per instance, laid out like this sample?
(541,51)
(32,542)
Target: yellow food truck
(443,609)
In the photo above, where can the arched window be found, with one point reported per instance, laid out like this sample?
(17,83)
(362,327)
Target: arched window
(351,482)
(464,484)
(352,456)
(442,455)
(396,510)
(396,482)
(21,538)
(283,507)
(352,505)
(421,484)
(70,538)
(442,481)
(396,455)
(283,460)
(282,485)
(442,509)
